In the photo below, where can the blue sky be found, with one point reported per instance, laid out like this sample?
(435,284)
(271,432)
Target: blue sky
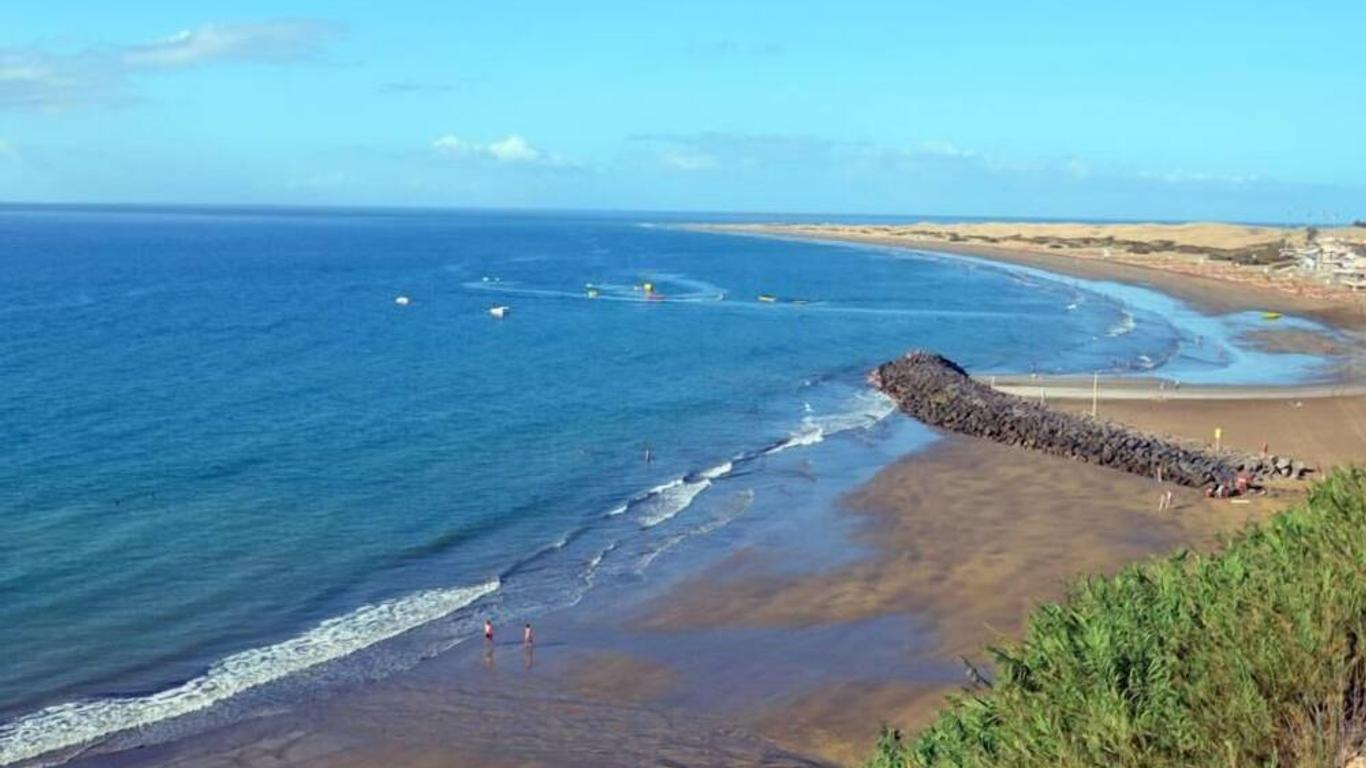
(1247,111)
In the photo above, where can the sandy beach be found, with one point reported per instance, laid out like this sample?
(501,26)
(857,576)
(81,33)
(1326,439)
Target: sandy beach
(756,662)
(1175,259)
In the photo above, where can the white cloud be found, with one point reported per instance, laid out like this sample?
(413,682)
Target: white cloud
(454,145)
(512,148)
(31,78)
(688,161)
(270,41)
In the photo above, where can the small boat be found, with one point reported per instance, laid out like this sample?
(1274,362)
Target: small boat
(1271,315)
(499,311)
(768,299)
(403,301)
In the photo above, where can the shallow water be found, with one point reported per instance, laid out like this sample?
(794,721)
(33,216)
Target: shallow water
(231,456)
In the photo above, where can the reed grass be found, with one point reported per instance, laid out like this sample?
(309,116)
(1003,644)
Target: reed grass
(1248,657)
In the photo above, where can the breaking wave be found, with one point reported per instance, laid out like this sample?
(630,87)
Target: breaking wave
(75,723)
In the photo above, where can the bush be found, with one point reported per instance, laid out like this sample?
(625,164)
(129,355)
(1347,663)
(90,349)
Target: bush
(1248,657)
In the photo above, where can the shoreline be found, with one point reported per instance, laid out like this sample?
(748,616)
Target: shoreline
(1204,292)
(823,616)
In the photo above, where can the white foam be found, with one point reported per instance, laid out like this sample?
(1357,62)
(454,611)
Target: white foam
(868,408)
(75,723)
(809,436)
(1124,326)
(590,573)
(666,501)
(743,501)
(718,471)
(649,557)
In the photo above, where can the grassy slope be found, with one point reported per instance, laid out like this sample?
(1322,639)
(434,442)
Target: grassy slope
(1242,658)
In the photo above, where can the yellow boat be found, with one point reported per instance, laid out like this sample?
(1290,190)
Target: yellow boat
(1271,315)
(767,299)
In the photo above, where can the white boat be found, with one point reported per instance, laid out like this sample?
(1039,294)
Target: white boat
(498,311)
(402,301)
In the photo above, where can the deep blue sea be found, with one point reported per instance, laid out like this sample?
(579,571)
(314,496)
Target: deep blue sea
(229,455)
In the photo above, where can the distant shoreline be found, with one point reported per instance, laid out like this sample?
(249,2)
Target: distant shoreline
(1219,289)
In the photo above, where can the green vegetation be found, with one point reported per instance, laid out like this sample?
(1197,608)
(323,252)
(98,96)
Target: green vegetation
(1249,657)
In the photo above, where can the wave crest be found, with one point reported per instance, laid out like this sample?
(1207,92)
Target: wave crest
(75,723)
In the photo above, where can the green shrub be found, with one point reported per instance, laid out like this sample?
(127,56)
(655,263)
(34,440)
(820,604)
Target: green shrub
(1247,657)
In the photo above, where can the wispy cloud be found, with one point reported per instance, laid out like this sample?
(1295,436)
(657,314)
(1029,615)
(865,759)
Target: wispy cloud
(279,41)
(513,149)
(32,78)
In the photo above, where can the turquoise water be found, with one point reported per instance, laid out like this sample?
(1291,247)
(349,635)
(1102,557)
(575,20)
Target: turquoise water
(230,456)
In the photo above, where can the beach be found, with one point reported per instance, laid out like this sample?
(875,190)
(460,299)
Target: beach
(1172,258)
(765,658)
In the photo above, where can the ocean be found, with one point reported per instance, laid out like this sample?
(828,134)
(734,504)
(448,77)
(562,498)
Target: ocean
(231,457)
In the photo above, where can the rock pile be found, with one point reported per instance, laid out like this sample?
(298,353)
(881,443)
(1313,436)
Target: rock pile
(937,392)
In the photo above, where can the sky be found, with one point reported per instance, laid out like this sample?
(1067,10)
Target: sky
(1164,109)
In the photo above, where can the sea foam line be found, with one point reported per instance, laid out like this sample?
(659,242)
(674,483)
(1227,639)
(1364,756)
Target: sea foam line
(1124,326)
(870,408)
(75,723)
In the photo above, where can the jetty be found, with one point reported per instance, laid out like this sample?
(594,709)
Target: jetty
(939,393)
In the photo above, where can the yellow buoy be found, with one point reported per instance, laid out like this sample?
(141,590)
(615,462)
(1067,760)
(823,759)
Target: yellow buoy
(649,287)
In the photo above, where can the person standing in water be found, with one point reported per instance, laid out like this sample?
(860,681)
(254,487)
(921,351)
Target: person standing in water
(527,637)
(488,631)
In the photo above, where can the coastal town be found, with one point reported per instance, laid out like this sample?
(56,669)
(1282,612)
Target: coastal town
(1332,260)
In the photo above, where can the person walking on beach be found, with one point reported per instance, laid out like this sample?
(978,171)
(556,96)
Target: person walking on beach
(488,631)
(527,636)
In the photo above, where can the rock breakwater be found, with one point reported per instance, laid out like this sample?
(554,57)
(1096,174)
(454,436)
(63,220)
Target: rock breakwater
(938,392)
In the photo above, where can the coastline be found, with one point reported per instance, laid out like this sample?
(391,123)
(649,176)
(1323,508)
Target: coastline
(1205,292)
(999,560)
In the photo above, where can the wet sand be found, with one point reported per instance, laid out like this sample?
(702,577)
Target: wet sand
(969,537)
